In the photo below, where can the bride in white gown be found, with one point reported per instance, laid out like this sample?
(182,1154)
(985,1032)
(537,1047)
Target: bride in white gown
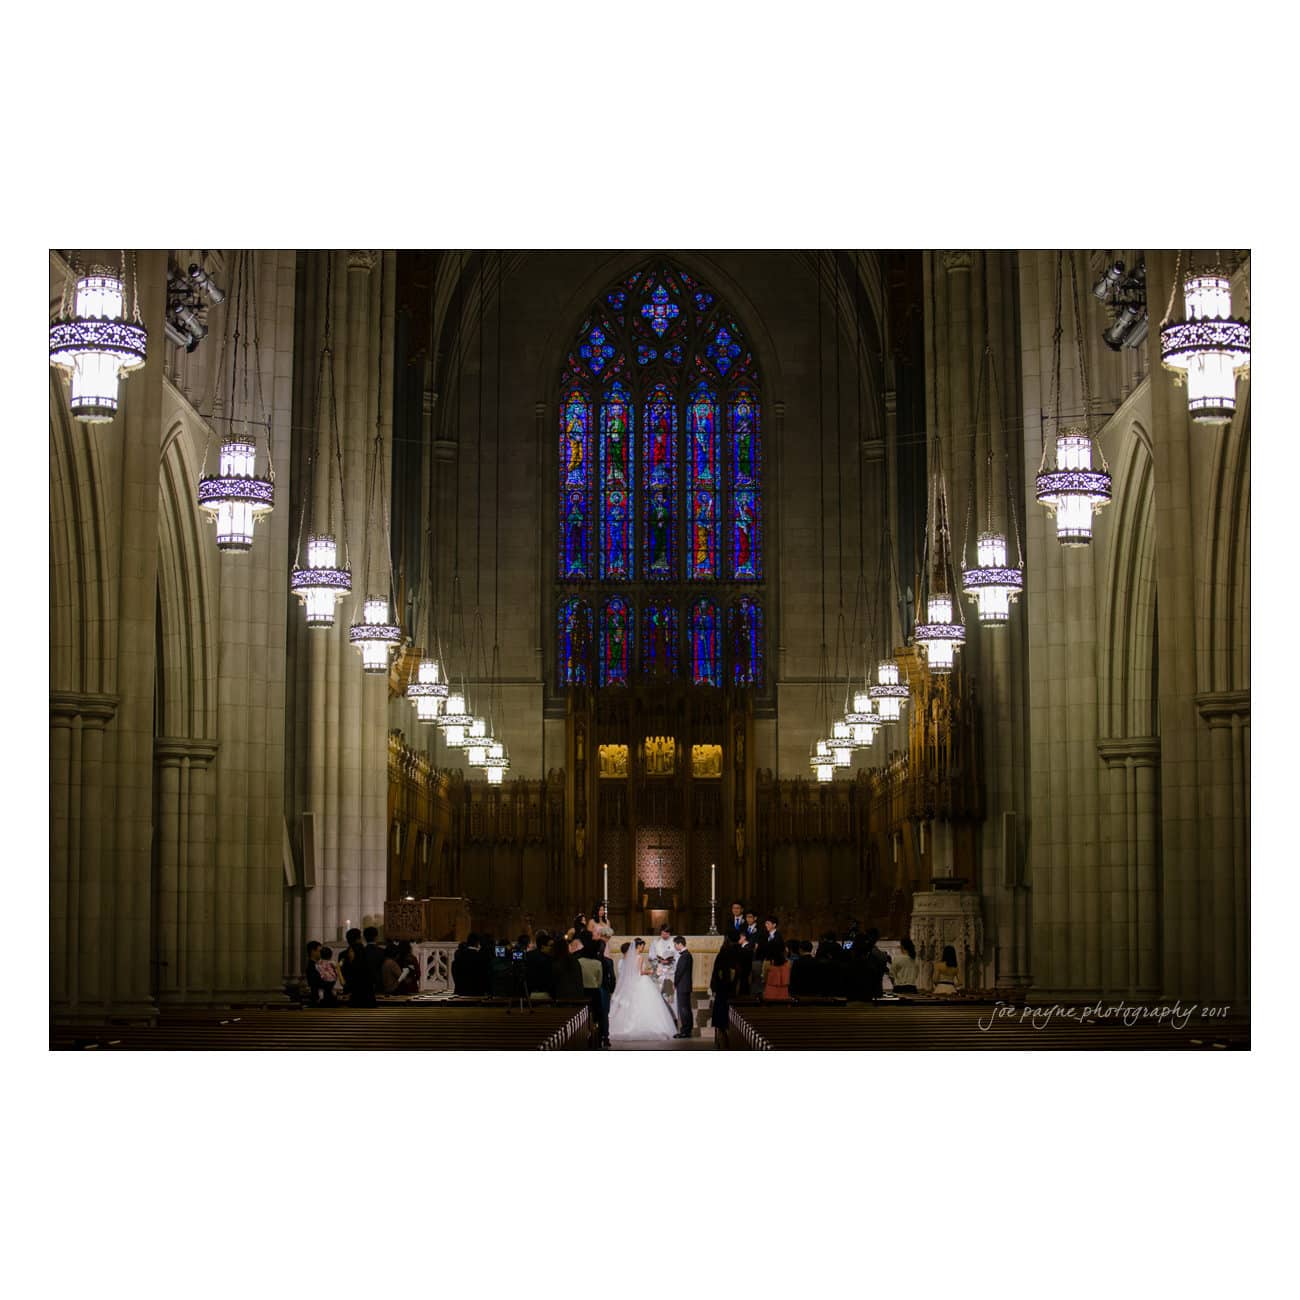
(637,1008)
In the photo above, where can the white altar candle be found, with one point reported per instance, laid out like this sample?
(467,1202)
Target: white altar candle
(713,882)
(605,895)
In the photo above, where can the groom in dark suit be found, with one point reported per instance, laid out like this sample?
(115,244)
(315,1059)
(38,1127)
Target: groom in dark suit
(682,989)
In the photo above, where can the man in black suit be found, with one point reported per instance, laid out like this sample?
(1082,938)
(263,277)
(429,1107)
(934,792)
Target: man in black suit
(467,970)
(682,976)
(356,972)
(735,925)
(374,956)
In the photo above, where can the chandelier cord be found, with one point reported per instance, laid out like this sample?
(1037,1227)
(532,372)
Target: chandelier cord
(460,421)
(384,481)
(1173,290)
(823,702)
(1080,347)
(478,424)
(212,394)
(262,408)
(495,699)
(1054,396)
(327,361)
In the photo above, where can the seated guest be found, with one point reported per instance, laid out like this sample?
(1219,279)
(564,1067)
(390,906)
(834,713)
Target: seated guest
(327,972)
(903,970)
(390,973)
(876,962)
(311,973)
(805,973)
(945,972)
(776,977)
(566,974)
(467,970)
(538,969)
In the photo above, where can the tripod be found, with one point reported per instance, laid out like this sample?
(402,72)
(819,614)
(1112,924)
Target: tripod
(519,986)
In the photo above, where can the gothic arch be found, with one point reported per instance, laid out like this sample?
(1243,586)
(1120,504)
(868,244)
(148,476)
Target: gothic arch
(1225,664)
(83,655)
(188,662)
(1129,703)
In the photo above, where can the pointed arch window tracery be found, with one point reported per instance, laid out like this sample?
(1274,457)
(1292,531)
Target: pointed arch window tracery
(660,488)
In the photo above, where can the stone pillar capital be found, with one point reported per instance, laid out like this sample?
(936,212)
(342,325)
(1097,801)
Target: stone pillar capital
(172,749)
(94,710)
(1140,751)
(1221,708)
(362,259)
(958,259)
(445,450)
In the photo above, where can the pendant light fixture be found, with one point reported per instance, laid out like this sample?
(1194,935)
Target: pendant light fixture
(376,636)
(1074,491)
(429,689)
(888,694)
(1210,349)
(992,582)
(235,498)
(94,342)
(322,583)
(942,634)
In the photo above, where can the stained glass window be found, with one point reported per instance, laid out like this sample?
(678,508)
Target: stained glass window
(615,641)
(575,473)
(659,641)
(702,484)
(703,634)
(745,637)
(616,485)
(746,496)
(659,485)
(575,642)
(639,535)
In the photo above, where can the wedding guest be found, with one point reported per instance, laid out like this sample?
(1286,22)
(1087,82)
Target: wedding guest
(356,972)
(390,973)
(724,984)
(310,973)
(566,974)
(745,951)
(903,969)
(945,972)
(776,977)
(876,963)
(592,975)
(467,970)
(735,925)
(600,926)
(374,955)
(538,969)
(327,972)
(806,973)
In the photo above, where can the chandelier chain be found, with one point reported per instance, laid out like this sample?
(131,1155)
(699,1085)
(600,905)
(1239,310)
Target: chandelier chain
(1173,290)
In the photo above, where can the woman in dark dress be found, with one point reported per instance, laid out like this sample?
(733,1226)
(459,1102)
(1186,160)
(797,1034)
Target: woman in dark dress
(723,985)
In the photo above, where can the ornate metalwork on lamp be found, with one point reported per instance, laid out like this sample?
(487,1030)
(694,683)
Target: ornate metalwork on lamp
(96,346)
(455,720)
(321,585)
(942,637)
(889,693)
(375,636)
(497,763)
(235,498)
(1073,491)
(1208,350)
(862,720)
(428,691)
(821,761)
(478,741)
(841,743)
(991,582)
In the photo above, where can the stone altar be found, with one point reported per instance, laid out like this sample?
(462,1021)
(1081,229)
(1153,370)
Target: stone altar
(947,916)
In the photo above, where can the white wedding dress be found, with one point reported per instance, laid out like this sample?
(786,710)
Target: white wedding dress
(637,1008)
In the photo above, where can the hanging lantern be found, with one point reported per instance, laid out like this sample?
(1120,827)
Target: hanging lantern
(993,585)
(375,636)
(235,498)
(321,585)
(1209,349)
(497,763)
(96,346)
(889,693)
(1074,490)
(862,720)
(841,744)
(822,761)
(478,741)
(941,636)
(455,720)
(428,691)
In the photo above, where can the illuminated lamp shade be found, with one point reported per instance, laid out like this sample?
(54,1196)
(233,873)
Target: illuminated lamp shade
(497,763)
(1073,491)
(428,691)
(96,346)
(322,584)
(1208,350)
(821,761)
(862,720)
(889,693)
(480,741)
(941,636)
(375,636)
(993,585)
(235,498)
(841,744)
(455,720)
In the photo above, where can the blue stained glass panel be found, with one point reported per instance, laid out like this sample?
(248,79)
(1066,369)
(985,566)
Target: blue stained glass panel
(746,538)
(702,484)
(660,311)
(616,484)
(704,637)
(596,350)
(575,478)
(673,355)
(703,301)
(659,641)
(574,657)
(745,635)
(659,484)
(722,350)
(617,299)
(645,354)
(615,641)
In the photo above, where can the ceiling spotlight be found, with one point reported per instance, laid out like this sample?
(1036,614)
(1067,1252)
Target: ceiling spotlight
(1127,330)
(203,283)
(1108,282)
